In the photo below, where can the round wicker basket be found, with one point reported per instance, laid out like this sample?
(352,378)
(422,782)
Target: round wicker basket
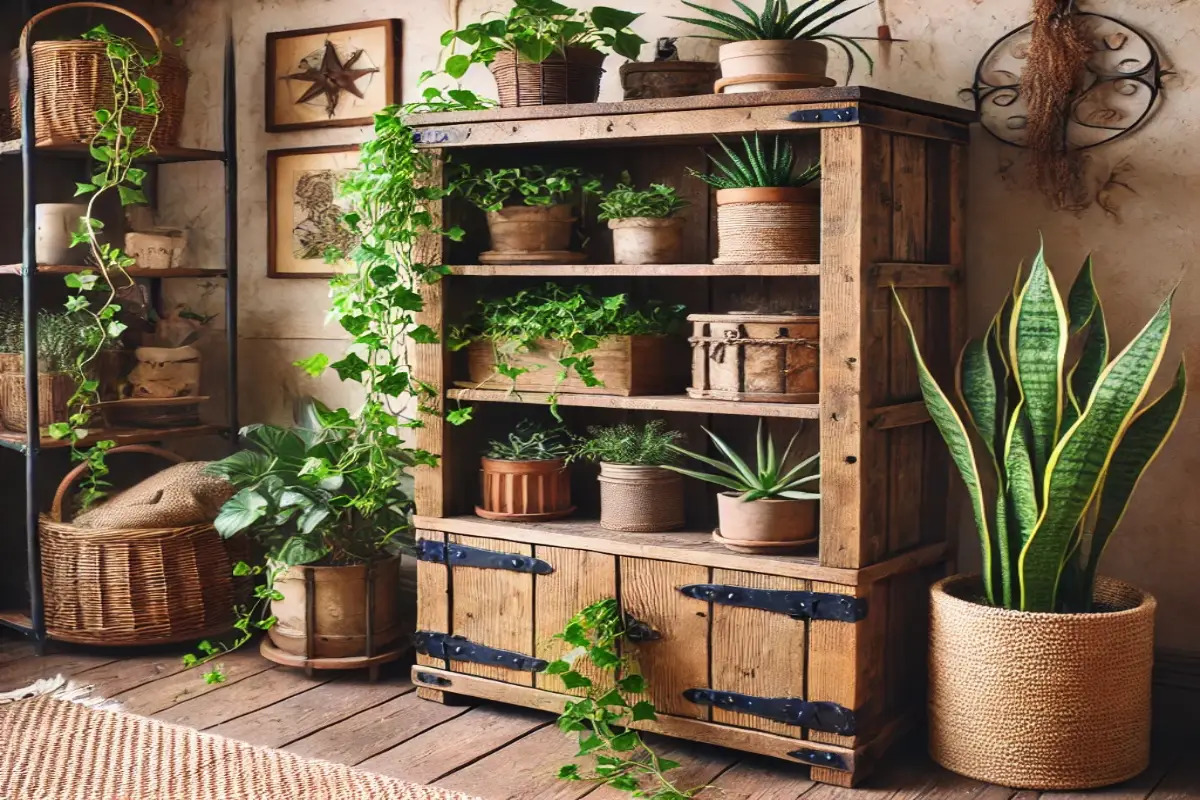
(640,499)
(1040,701)
(54,398)
(768,226)
(573,77)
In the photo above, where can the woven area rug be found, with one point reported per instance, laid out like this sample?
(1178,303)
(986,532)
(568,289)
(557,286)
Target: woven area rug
(54,749)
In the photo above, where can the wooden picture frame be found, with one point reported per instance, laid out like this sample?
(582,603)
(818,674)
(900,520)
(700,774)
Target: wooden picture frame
(372,47)
(285,171)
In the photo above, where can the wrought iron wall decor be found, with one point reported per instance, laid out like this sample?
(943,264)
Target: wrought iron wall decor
(1120,91)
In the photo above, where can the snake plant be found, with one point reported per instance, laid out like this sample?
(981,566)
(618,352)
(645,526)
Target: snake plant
(1059,447)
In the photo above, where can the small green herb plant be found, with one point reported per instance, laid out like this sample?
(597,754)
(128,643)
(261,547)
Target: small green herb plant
(531,441)
(777,21)
(62,339)
(769,479)
(755,168)
(624,201)
(12,331)
(493,189)
(623,760)
(649,445)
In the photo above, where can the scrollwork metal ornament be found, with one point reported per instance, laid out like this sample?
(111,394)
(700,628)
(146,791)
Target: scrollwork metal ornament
(1119,93)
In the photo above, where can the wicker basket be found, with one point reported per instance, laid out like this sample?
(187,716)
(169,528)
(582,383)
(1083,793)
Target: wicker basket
(54,396)
(640,499)
(1040,701)
(573,78)
(768,226)
(136,586)
(11,362)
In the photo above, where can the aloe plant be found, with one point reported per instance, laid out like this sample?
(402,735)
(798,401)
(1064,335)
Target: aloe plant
(770,479)
(755,168)
(1063,445)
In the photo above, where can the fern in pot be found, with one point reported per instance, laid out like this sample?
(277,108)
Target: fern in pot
(1051,449)
(645,223)
(636,492)
(525,476)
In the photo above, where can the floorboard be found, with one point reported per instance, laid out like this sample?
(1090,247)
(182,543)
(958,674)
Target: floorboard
(758,778)
(157,696)
(241,698)
(25,671)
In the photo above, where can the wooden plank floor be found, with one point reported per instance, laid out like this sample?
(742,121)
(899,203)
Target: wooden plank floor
(491,751)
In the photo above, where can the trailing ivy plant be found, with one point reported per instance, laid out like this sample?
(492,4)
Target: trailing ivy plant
(623,760)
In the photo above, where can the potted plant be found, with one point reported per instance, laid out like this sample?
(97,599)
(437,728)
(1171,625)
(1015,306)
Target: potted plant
(530,210)
(1056,454)
(12,339)
(766,212)
(644,224)
(525,476)
(636,493)
(60,341)
(780,47)
(544,53)
(667,75)
(766,510)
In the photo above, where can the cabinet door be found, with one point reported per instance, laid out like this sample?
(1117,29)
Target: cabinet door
(579,579)
(493,607)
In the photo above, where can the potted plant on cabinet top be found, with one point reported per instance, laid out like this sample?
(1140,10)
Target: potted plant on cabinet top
(636,492)
(1066,445)
(644,224)
(530,210)
(780,47)
(766,510)
(526,477)
(544,53)
(766,213)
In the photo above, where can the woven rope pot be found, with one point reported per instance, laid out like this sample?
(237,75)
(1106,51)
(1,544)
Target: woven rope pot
(780,225)
(640,499)
(570,77)
(1040,701)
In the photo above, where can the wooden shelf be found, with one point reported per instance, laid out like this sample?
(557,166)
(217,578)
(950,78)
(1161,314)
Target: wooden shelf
(636,270)
(670,402)
(17,441)
(16,620)
(66,149)
(133,272)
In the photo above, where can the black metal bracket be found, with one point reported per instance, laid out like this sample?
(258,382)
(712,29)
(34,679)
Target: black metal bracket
(460,555)
(820,758)
(459,648)
(638,631)
(432,680)
(849,114)
(818,715)
(797,605)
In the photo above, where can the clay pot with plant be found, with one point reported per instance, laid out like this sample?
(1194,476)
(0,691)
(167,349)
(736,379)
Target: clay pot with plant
(636,492)
(767,212)
(646,228)
(767,508)
(1067,444)
(779,47)
(60,343)
(525,476)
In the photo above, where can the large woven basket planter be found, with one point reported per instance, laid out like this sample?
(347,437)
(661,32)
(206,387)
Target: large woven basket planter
(573,77)
(54,395)
(1040,701)
(525,491)
(640,499)
(768,226)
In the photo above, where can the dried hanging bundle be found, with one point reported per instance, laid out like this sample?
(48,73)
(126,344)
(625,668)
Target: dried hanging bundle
(1056,64)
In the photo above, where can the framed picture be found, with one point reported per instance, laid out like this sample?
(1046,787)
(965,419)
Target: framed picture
(332,77)
(304,212)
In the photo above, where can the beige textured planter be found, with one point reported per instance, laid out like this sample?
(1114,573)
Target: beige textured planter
(765,525)
(164,372)
(1040,701)
(779,225)
(530,229)
(647,240)
(765,66)
(640,499)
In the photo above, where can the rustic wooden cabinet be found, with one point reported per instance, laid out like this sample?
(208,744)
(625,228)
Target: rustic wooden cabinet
(812,658)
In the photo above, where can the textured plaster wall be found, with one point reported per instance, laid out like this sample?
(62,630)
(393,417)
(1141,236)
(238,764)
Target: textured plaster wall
(1139,256)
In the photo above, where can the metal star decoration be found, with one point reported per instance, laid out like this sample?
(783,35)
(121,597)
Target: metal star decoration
(332,78)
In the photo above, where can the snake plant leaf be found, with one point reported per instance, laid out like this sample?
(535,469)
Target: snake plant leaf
(1082,300)
(976,386)
(1087,316)
(720,480)
(1038,347)
(1078,463)
(959,443)
(1021,486)
(1139,447)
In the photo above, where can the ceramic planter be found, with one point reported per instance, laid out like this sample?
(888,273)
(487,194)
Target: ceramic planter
(640,498)
(777,225)
(531,229)
(56,222)
(661,79)
(647,240)
(771,65)
(765,526)
(525,491)
(569,77)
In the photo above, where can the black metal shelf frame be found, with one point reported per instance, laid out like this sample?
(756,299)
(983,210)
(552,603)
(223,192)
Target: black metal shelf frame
(36,629)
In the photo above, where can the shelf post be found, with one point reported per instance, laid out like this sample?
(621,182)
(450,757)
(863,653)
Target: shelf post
(231,233)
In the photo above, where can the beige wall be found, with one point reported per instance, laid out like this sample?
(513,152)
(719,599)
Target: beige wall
(1139,256)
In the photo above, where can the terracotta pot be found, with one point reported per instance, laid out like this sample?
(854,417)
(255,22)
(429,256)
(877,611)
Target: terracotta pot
(525,491)
(572,77)
(659,79)
(764,66)
(770,225)
(1040,701)
(647,240)
(640,498)
(340,604)
(530,229)
(770,524)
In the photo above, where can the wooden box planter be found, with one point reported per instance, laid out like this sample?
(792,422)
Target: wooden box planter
(627,365)
(662,79)
(525,491)
(755,357)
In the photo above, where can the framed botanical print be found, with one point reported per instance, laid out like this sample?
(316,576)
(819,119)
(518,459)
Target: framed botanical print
(304,211)
(332,77)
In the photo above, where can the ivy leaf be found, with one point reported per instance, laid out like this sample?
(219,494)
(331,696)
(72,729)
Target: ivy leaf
(643,710)
(132,197)
(241,569)
(459,416)
(604,658)
(573,680)
(423,334)
(313,365)
(240,512)
(350,368)
(588,744)
(406,299)
(625,783)
(557,667)
(612,698)
(666,764)
(135,176)
(575,635)
(59,430)
(355,325)
(569,772)
(632,684)
(626,741)
(298,550)
(116,328)
(84,188)
(457,66)
(76,302)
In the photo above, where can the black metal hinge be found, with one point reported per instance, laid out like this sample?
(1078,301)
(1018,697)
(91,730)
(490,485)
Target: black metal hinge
(820,758)
(431,679)
(818,715)
(459,648)
(849,114)
(638,631)
(460,555)
(797,605)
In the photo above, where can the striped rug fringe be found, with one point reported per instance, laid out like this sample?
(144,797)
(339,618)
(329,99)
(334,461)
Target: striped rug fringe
(59,688)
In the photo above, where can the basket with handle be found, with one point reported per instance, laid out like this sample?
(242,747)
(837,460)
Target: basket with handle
(72,79)
(136,586)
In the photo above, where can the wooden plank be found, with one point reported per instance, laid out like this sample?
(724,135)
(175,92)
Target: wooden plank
(757,778)
(908,199)
(757,652)
(912,125)
(129,673)
(22,672)
(525,769)
(433,597)
(636,270)
(11,650)
(431,365)
(151,698)
(679,659)
(580,578)
(699,765)
(1173,774)
(907,642)
(845,663)
(122,436)
(678,403)
(241,698)
(898,415)
(916,276)
(493,607)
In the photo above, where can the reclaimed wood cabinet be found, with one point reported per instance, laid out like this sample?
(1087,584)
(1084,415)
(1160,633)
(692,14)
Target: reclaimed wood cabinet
(814,658)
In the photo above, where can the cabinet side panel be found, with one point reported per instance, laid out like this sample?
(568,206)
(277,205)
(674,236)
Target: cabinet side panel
(433,598)
(494,607)
(846,662)
(430,365)
(579,579)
